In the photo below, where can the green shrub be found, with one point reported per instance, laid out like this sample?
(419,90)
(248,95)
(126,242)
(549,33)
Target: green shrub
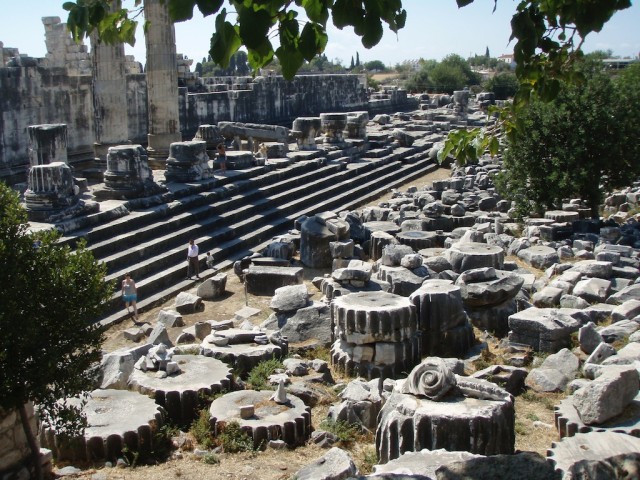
(233,439)
(211,459)
(346,432)
(259,376)
(201,429)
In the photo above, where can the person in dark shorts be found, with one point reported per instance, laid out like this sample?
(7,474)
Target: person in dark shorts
(222,157)
(130,295)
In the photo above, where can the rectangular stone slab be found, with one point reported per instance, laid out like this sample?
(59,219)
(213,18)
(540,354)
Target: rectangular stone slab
(264,280)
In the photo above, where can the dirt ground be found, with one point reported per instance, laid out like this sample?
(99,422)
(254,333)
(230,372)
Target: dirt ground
(534,416)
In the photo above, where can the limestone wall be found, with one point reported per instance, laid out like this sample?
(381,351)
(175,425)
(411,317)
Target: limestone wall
(271,100)
(13,442)
(35,95)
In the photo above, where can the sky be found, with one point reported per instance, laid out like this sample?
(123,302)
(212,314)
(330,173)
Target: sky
(434,29)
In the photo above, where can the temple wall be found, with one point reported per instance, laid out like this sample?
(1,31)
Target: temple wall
(272,100)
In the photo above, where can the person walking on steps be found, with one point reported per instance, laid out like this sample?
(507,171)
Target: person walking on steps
(130,295)
(193,265)
(222,157)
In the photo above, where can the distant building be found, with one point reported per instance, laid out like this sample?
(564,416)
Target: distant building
(618,63)
(509,59)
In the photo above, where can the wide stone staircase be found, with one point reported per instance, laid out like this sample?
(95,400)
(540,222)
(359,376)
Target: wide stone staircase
(236,214)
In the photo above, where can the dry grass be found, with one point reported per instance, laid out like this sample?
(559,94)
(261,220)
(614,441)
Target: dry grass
(535,422)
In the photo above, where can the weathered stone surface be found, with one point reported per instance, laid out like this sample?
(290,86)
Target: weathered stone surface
(594,268)
(160,335)
(179,394)
(115,418)
(564,361)
(592,289)
(361,403)
(170,318)
(493,318)
(600,353)
(265,280)
(420,465)
(290,422)
(589,338)
(466,256)
(505,376)
(618,330)
(212,288)
(597,455)
(305,324)
(539,256)
(547,380)
(493,288)
(548,297)
(627,293)
(290,298)
(527,465)
(571,301)
(188,303)
(407,423)
(544,329)
(336,464)
(608,395)
(445,326)
(315,237)
(626,310)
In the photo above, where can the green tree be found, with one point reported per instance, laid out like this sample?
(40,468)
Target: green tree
(352,63)
(582,144)
(503,85)
(357,59)
(50,295)
(445,78)
(376,65)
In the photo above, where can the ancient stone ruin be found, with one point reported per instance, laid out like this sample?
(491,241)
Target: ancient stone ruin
(442,306)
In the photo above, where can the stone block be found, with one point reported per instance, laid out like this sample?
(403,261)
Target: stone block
(265,280)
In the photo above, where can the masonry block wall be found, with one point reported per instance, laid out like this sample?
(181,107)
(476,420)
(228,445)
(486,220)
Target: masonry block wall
(14,448)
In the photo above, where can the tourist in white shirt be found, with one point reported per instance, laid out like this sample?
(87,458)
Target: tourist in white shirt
(193,265)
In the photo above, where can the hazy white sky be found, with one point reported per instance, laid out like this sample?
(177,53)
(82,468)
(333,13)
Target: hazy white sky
(434,28)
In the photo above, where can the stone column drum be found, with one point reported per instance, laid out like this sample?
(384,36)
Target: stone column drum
(162,81)
(445,327)
(128,174)
(305,130)
(47,143)
(210,134)
(356,125)
(376,334)
(51,189)
(434,408)
(333,125)
(188,162)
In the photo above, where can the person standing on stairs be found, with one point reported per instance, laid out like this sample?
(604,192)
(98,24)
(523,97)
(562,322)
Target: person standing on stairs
(130,295)
(193,264)
(222,158)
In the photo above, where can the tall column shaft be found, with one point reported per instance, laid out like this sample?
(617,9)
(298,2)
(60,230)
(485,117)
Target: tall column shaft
(162,80)
(109,94)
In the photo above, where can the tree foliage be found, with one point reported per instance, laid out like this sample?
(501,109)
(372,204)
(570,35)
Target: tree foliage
(251,24)
(50,295)
(376,65)
(504,85)
(581,145)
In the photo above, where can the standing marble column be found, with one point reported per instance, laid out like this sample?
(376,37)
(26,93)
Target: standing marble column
(109,87)
(47,143)
(162,82)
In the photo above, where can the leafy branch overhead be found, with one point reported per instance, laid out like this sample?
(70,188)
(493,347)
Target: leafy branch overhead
(251,24)
(549,35)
